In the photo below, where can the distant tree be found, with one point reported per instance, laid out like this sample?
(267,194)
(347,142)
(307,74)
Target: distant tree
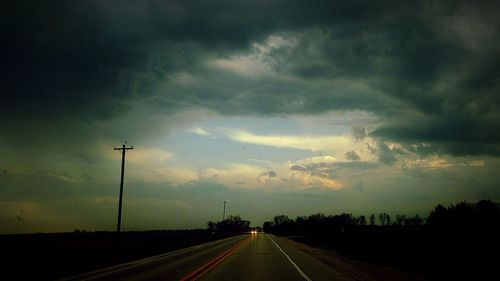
(459,215)
(487,213)
(400,219)
(381,218)
(372,219)
(342,219)
(439,216)
(268,226)
(462,214)
(384,219)
(283,224)
(416,220)
(301,224)
(233,224)
(316,218)
(355,220)
(281,219)
(212,226)
(362,220)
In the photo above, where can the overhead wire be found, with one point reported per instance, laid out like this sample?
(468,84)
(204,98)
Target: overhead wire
(47,117)
(74,115)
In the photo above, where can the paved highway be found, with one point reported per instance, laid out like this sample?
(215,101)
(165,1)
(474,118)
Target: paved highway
(244,257)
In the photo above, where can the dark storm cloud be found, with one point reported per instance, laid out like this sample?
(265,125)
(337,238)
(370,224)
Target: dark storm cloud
(351,155)
(386,154)
(427,70)
(359,133)
(268,174)
(88,52)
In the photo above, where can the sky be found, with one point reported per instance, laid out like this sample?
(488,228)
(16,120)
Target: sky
(277,107)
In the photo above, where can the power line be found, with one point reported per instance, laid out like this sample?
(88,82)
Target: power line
(57,121)
(77,116)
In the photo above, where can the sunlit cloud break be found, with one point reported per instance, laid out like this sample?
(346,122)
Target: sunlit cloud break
(199,131)
(313,143)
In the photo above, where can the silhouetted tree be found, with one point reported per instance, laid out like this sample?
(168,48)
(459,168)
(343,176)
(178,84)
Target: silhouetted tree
(362,220)
(281,219)
(301,224)
(463,215)
(459,236)
(400,219)
(487,212)
(439,216)
(268,226)
(416,220)
(384,219)
(211,226)
(381,218)
(372,219)
(233,224)
(283,224)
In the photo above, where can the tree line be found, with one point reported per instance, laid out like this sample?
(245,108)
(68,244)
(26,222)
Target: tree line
(482,214)
(233,224)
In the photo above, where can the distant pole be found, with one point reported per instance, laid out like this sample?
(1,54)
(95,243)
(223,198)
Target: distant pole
(224,211)
(123,149)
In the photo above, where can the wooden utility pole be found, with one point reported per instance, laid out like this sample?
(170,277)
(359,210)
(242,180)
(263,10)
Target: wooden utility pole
(123,149)
(224,211)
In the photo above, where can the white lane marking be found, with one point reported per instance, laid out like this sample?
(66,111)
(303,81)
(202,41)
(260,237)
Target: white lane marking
(290,260)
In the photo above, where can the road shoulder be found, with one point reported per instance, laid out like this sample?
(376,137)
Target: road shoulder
(348,268)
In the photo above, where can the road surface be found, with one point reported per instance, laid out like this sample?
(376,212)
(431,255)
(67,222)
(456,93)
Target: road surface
(244,257)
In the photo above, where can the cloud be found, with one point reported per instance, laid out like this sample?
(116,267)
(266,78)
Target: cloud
(316,159)
(267,175)
(327,173)
(246,66)
(243,175)
(309,179)
(340,56)
(351,155)
(386,154)
(359,133)
(313,143)
(270,174)
(199,131)
(329,168)
(73,86)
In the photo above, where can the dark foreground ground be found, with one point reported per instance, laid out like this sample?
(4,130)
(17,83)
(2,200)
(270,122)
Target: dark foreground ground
(364,253)
(49,256)
(420,251)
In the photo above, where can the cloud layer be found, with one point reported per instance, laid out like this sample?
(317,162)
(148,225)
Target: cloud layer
(381,94)
(428,70)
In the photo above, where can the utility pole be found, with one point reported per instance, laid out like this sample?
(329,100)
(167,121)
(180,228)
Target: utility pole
(123,149)
(224,211)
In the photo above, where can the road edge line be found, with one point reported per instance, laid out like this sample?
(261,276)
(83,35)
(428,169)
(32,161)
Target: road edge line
(290,260)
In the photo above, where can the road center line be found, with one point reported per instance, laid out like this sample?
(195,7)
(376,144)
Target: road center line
(195,275)
(290,260)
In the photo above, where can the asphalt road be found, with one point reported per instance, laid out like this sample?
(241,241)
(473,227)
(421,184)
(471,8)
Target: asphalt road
(244,257)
